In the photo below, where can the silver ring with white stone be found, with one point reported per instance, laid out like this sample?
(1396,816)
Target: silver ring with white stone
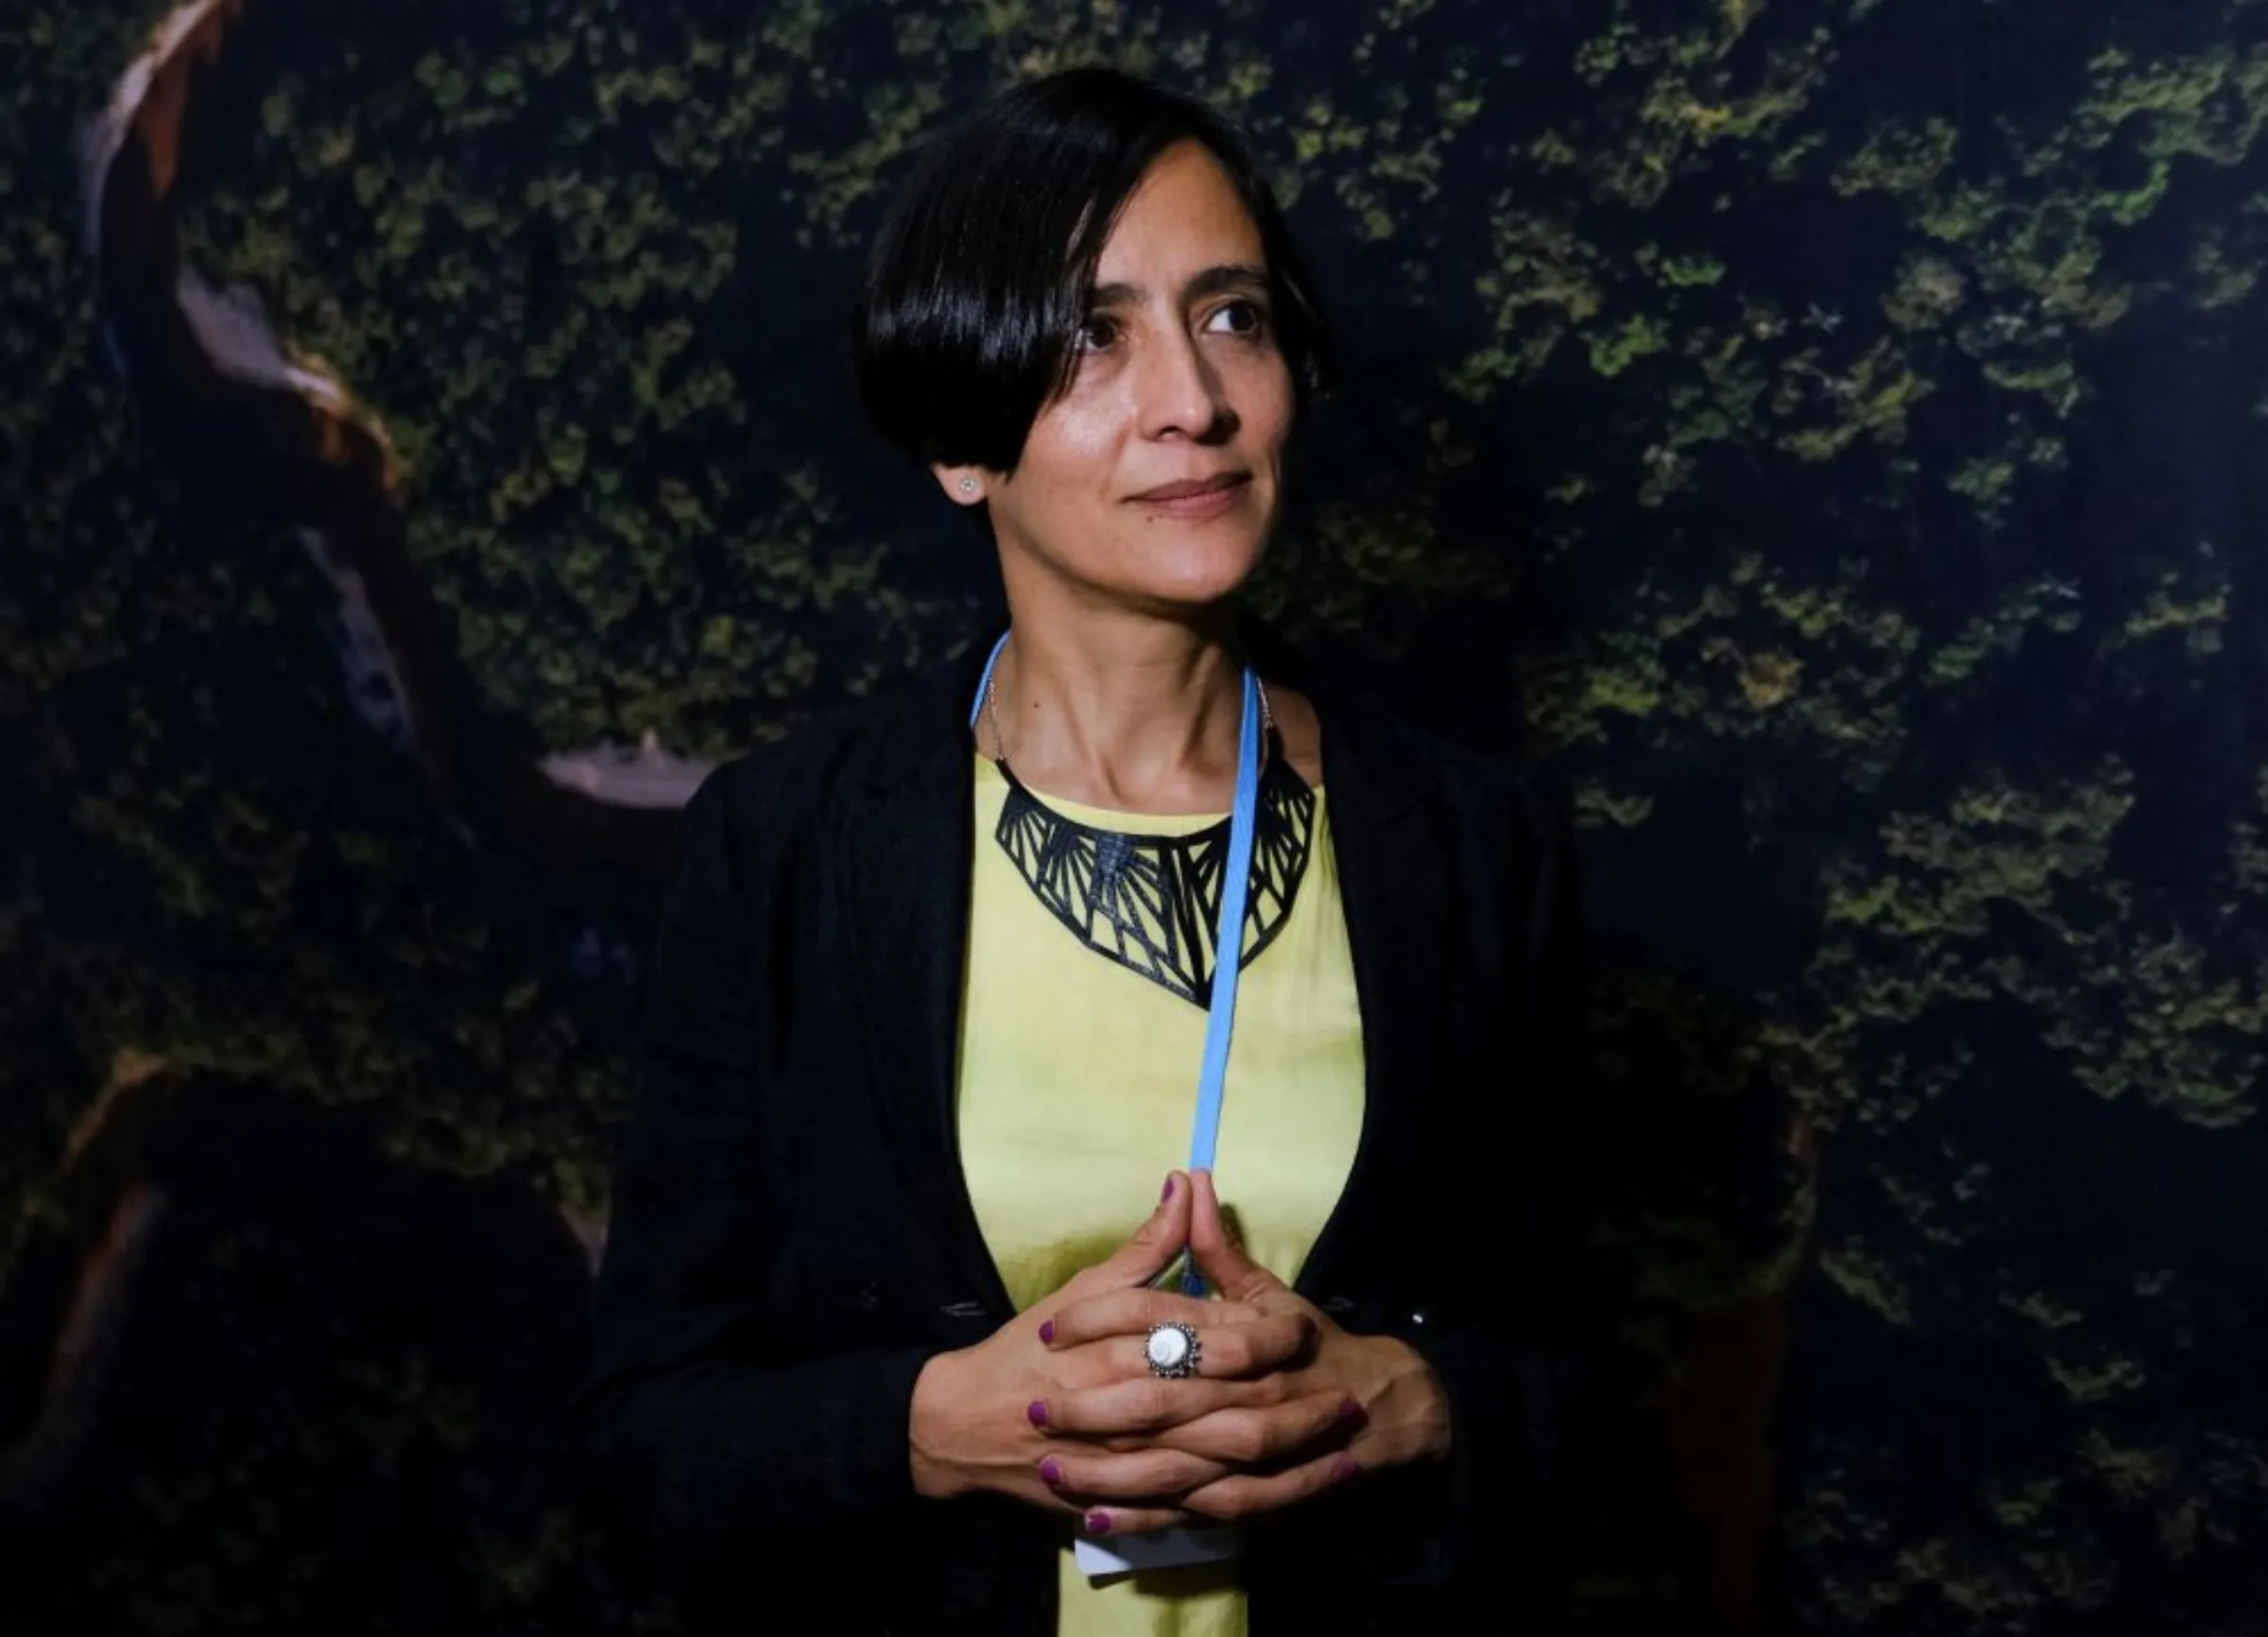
(1172,1350)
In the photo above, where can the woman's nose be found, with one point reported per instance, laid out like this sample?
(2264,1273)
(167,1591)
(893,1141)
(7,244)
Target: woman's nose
(1181,393)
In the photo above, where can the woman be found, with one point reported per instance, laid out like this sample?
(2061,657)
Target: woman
(889,1315)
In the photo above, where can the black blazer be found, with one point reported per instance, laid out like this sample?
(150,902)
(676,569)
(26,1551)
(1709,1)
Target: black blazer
(791,1239)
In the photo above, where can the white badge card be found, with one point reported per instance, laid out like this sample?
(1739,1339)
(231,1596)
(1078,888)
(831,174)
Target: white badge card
(1157,1549)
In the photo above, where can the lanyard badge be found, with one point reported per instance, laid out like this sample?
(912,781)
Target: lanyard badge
(1197,1544)
(1229,940)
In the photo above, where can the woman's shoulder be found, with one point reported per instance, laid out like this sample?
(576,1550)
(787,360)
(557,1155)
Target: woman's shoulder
(871,741)
(1483,807)
(1398,741)
(1353,711)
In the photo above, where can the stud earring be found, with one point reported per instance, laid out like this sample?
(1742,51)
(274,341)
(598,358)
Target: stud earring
(968,486)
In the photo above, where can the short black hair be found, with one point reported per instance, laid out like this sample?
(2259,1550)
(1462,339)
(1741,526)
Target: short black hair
(984,268)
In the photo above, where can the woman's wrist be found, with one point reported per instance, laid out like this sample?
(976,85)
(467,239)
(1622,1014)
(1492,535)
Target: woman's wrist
(929,1429)
(1413,1381)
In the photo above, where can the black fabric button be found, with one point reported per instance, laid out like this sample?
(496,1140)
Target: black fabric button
(867,1298)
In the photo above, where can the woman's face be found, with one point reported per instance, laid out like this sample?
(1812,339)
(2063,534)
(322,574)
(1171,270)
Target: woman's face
(1154,480)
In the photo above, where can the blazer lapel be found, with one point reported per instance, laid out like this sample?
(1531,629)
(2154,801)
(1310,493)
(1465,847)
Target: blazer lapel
(907,853)
(1397,908)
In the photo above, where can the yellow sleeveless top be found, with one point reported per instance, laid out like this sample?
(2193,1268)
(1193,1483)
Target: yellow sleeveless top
(1078,1081)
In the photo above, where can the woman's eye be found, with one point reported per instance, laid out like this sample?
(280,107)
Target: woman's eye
(1243,318)
(1096,333)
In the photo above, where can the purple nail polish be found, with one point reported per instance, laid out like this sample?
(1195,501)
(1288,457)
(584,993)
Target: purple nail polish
(1037,1412)
(1169,1191)
(1051,1473)
(1348,1409)
(1098,1522)
(1345,1469)
(1047,1332)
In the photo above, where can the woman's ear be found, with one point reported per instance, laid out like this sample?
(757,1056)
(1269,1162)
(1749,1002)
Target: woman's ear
(963,485)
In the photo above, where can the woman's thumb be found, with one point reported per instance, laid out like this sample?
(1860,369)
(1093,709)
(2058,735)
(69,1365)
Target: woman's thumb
(1153,1247)
(1217,1256)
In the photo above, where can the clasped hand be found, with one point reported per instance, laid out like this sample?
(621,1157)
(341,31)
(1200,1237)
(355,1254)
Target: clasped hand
(1059,1407)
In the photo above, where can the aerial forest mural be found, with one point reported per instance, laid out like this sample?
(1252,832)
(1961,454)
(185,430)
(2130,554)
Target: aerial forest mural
(1828,438)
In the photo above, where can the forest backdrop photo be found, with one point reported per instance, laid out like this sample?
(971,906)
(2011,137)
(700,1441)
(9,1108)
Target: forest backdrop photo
(1824,436)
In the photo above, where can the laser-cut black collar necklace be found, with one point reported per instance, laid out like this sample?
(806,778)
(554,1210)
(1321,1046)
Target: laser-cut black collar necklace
(1150,902)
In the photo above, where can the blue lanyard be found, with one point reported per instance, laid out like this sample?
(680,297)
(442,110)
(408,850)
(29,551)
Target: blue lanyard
(1229,940)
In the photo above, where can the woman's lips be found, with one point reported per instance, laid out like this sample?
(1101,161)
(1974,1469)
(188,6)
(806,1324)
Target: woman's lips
(1185,502)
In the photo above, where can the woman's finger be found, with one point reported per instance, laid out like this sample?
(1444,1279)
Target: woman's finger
(1233,1273)
(1148,1404)
(1228,1352)
(1094,1476)
(1250,1437)
(1105,1518)
(1133,1311)
(1149,1252)
(1245,1495)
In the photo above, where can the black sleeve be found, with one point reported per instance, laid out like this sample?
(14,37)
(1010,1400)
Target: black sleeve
(716,1460)
(1518,1380)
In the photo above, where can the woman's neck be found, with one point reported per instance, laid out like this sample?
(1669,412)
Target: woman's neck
(1120,710)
